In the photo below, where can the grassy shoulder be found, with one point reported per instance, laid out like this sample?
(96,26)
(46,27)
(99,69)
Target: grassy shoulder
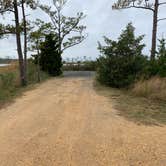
(141,110)
(9,82)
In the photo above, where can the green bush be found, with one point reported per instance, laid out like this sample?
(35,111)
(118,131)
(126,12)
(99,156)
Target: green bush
(50,59)
(162,58)
(121,61)
(157,67)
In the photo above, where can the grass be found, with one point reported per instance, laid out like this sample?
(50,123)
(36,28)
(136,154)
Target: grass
(10,84)
(138,109)
(154,88)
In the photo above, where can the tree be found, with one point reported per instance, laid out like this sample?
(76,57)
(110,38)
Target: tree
(12,6)
(50,59)
(144,4)
(36,37)
(121,61)
(162,57)
(19,46)
(33,5)
(63,25)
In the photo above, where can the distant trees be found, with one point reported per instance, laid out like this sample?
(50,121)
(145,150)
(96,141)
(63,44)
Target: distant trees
(69,32)
(122,61)
(50,59)
(147,5)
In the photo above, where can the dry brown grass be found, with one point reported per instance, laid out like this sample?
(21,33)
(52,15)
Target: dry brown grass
(10,81)
(141,110)
(154,88)
(11,68)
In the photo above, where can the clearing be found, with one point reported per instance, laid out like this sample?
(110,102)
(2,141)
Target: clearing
(65,122)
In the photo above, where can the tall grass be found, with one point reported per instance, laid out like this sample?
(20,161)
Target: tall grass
(154,88)
(10,82)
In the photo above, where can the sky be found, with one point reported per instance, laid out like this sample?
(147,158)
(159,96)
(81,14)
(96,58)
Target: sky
(100,20)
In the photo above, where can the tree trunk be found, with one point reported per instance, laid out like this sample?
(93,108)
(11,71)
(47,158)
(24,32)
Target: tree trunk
(25,39)
(38,62)
(19,48)
(59,32)
(154,32)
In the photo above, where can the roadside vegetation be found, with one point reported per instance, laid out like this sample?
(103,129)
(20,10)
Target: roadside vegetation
(9,81)
(140,110)
(45,40)
(121,65)
(140,83)
(66,31)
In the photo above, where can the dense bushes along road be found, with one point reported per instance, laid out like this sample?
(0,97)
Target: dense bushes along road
(122,62)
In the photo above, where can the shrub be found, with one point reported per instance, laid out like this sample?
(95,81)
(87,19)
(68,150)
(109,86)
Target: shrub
(162,58)
(121,61)
(50,58)
(157,67)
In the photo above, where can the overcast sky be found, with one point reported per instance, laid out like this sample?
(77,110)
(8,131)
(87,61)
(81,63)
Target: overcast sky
(101,21)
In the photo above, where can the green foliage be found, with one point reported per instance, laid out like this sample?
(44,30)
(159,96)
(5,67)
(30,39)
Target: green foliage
(50,59)
(121,61)
(157,67)
(162,58)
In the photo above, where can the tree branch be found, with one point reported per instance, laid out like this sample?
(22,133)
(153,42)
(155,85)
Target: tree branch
(74,25)
(162,19)
(76,43)
(6,10)
(80,41)
(139,7)
(162,3)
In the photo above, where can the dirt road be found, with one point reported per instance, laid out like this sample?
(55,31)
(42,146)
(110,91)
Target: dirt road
(65,122)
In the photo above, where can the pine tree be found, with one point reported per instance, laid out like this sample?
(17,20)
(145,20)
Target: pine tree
(162,58)
(153,6)
(50,59)
(122,61)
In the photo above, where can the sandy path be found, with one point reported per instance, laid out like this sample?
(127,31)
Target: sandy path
(64,122)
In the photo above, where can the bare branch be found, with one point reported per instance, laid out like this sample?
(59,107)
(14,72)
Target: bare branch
(76,43)
(6,10)
(82,38)
(125,4)
(139,7)
(74,25)
(161,19)
(162,3)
